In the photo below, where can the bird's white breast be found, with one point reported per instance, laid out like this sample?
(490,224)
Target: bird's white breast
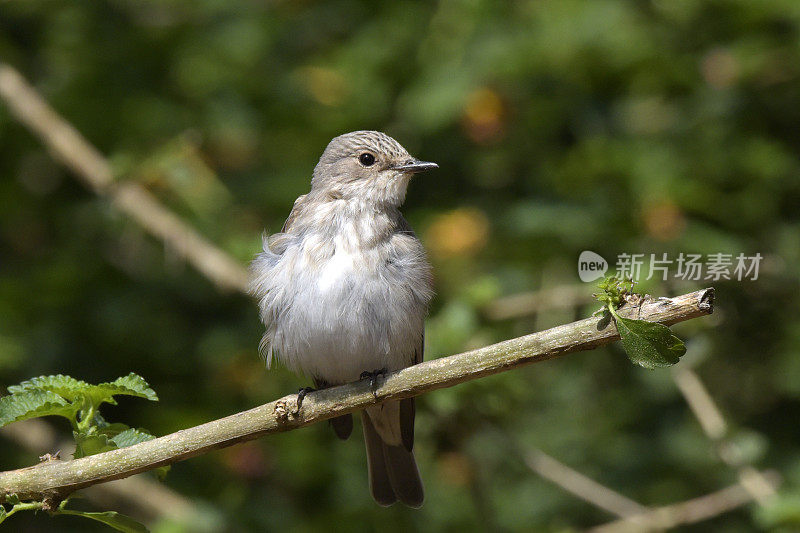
(335,269)
(337,305)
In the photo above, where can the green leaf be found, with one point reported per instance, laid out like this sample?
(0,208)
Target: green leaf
(615,289)
(112,430)
(65,386)
(130,385)
(90,444)
(133,385)
(649,344)
(13,499)
(118,521)
(2,514)
(85,395)
(31,404)
(161,472)
(109,438)
(131,436)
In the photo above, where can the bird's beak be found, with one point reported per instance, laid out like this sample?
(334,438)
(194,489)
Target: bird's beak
(413,166)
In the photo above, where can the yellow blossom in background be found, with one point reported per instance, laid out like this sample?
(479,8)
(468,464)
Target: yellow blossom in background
(664,220)
(484,116)
(455,468)
(462,231)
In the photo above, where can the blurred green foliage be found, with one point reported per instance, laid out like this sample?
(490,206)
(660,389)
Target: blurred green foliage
(618,126)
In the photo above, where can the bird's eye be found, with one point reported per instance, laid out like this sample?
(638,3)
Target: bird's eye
(367,159)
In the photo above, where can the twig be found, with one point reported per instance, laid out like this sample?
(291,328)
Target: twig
(58,479)
(156,501)
(688,512)
(529,303)
(151,497)
(713,424)
(74,151)
(581,486)
(700,402)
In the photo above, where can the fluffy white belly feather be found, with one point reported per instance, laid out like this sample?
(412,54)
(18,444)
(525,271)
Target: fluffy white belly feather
(342,313)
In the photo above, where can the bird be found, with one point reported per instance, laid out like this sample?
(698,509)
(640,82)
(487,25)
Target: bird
(343,291)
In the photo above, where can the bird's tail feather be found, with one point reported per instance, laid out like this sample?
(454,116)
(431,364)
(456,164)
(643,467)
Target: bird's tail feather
(342,426)
(393,472)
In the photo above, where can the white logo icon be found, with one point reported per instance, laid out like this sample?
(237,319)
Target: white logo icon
(591,266)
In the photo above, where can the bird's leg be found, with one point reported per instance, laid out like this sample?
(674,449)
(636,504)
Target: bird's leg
(300,395)
(373,379)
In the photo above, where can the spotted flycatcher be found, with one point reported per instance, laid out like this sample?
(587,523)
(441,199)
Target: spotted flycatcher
(344,288)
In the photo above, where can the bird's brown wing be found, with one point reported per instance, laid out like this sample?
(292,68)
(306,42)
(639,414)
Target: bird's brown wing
(408,407)
(296,208)
(404,227)
(342,425)
(393,472)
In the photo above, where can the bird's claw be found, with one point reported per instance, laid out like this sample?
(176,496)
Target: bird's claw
(373,379)
(301,394)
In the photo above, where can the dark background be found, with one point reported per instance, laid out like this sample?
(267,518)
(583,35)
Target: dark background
(614,126)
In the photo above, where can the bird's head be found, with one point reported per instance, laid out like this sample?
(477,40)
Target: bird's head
(368,166)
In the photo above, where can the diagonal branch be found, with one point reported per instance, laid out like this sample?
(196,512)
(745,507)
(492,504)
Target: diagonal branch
(73,150)
(530,303)
(582,486)
(54,480)
(689,511)
(715,428)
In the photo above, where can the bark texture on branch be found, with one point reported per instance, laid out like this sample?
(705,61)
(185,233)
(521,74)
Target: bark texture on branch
(57,479)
